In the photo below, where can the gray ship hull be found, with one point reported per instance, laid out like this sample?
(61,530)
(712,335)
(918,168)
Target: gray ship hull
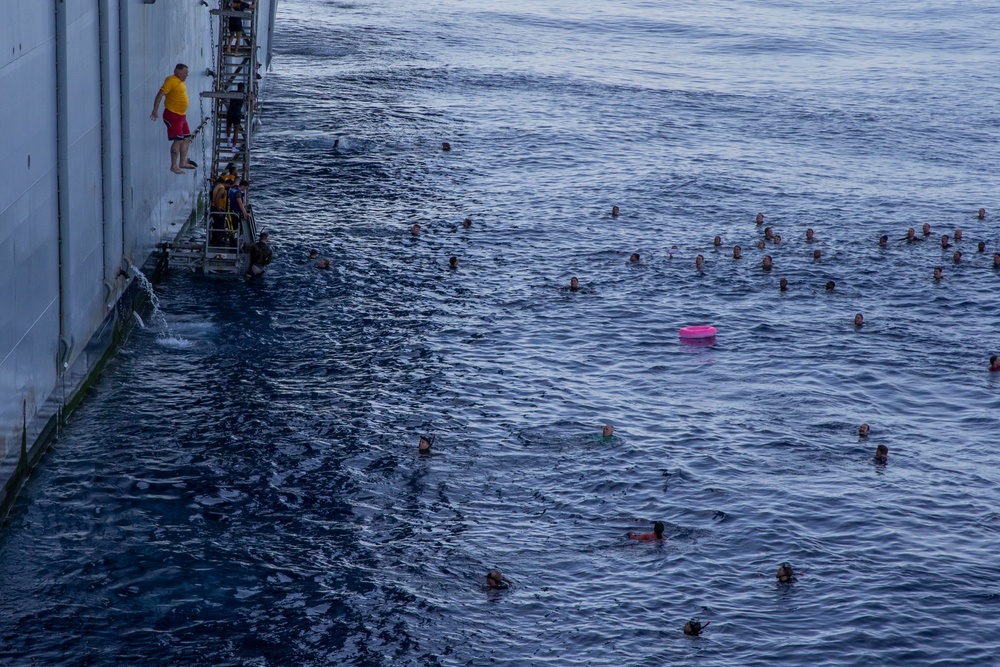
(87,192)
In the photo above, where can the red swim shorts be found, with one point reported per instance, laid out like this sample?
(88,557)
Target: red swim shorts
(177,125)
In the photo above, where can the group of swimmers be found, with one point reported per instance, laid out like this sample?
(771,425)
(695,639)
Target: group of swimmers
(785,574)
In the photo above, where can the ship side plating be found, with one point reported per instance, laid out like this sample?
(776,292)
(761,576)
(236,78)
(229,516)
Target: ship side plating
(86,191)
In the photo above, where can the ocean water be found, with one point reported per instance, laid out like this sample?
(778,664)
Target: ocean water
(244,488)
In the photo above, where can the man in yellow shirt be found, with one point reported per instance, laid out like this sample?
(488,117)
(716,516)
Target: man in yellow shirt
(174,107)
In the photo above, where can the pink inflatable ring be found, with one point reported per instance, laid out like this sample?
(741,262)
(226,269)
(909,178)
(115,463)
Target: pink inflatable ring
(697,332)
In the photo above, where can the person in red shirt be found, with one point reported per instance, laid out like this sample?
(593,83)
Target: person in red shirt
(656,535)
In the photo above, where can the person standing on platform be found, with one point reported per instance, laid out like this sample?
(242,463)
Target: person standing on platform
(173,92)
(236,23)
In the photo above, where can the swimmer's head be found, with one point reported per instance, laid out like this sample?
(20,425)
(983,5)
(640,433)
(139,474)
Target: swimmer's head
(658,530)
(883,240)
(614,212)
(881,454)
(425,443)
(453,262)
(996,259)
(817,254)
(574,284)
(693,627)
(863,431)
(313,254)
(958,234)
(938,275)
(830,285)
(785,574)
(783,284)
(766,263)
(699,261)
(737,252)
(957,256)
(911,234)
(467,223)
(810,235)
(760,219)
(776,240)
(634,258)
(926,229)
(982,214)
(717,241)
(859,320)
(768,233)
(981,246)
(944,241)
(415,230)
(445,146)
(323,263)
(494,579)
(760,244)
(608,430)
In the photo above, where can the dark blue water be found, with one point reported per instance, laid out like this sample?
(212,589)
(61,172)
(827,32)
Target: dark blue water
(245,489)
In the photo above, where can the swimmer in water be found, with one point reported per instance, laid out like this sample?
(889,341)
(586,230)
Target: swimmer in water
(957,256)
(994,364)
(768,234)
(445,146)
(574,284)
(981,247)
(938,275)
(425,444)
(323,263)
(944,242)
(783,285)
(817,254)
(776,240)
(717,241)
(453,262)
(313,254)
(614,212)
(883,241)
(496,581)
(863,431)
(830,285)
(859,320)
(760,244)
(926,229)
(911,235)
(958,235)
(982,214)
(760,219)
(881,455)
(737,252)
(657,534)
(698,262)
(467,223)
(415,230)
(608,430)
(694,627)
(766,264)
(634,258)
(673,251)
(785,574)
(336,143)
(996,260)
(810,235)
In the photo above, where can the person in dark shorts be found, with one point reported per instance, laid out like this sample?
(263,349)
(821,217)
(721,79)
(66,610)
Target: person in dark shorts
(260,256)
(236,23)
(234,116)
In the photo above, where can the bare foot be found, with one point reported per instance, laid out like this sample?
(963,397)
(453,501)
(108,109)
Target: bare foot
(176,170)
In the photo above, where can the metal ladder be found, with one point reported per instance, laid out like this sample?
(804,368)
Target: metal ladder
(236,63)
